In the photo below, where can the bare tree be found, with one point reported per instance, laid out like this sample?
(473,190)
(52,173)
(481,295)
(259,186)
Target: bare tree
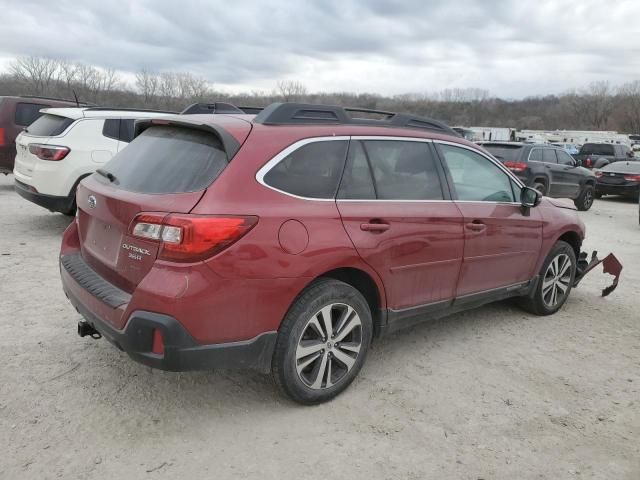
(291,90)
(147,85)
(38,73)
(629,107)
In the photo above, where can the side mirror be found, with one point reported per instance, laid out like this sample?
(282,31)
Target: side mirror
(530,197)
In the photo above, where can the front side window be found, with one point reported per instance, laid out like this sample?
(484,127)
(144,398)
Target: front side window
(311,171)
(475,177)
(564,158)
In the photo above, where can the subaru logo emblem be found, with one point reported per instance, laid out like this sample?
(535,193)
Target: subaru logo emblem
(92,201)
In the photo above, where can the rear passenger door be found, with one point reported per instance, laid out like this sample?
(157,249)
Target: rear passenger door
(401,220)
(550,161)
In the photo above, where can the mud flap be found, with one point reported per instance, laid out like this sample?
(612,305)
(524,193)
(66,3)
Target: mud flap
(610,265)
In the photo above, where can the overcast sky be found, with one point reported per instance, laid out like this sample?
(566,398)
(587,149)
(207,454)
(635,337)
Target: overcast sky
(512,48)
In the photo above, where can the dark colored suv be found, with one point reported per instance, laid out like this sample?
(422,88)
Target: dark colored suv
(548,169)
(16,113)
(597,155)
(286,241)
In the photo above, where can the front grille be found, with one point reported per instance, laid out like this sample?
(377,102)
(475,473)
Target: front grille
(82,273)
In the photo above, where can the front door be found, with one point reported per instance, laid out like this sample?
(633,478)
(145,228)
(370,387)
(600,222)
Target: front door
(400,220)
(501,244)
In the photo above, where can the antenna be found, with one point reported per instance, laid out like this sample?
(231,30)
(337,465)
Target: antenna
(76,97)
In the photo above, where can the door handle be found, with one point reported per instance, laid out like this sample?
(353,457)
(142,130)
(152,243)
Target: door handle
(373,226)
(476,226)
(548,166)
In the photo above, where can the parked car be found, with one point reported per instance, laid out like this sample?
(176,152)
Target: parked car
(65,145)
(597,155)
(286,241)
(548,169)
(17,113)
(619,178)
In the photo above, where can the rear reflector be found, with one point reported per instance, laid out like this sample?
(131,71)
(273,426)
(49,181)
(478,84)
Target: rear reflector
(190,238)
(632,178)
(48,152)
(2,140)
(516,166)
(157,346)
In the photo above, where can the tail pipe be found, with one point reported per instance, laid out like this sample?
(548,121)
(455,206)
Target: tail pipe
(85,328)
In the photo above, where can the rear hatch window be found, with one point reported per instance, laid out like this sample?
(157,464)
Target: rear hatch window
(168,159)
(504,152)
(49,125)
(596,149)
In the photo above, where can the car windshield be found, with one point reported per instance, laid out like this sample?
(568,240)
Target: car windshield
(596,149)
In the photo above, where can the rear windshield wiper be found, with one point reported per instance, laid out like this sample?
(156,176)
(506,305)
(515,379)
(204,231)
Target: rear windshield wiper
(108,175)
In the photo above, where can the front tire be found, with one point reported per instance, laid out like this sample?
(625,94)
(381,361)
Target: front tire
(322,343)
(585,199)
(554,282)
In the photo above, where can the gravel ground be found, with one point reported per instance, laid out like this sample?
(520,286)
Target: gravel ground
(491,393)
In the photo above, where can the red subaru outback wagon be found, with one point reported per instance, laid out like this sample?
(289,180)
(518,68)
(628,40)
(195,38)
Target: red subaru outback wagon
(286,241)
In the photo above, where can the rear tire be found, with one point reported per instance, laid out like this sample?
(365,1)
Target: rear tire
(541,187)
(585,199)
(554,281)
(322,343)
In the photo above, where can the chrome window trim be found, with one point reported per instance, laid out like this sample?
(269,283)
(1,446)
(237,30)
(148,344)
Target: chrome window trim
(261,173)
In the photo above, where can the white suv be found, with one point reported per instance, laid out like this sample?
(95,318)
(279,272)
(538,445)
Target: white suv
(65,145)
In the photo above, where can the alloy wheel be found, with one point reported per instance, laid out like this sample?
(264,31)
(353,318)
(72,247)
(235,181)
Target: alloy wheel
(557,280)
(329,346)
(588,199)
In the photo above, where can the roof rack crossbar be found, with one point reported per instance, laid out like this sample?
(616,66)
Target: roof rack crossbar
(301,113)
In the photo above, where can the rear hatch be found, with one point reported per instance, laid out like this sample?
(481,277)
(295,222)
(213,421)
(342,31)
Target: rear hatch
(41,132)
(166,169)
(509,154)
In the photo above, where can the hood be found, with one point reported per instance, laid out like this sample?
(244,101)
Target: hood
(561,203)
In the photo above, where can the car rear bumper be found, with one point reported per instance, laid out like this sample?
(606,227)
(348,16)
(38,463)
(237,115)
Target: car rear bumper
(628,190)
(50,202)
(7,158)
(180,352)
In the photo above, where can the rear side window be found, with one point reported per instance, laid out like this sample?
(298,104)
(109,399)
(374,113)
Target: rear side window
(126,129)
(27,113)
(535,155)
(168,159)
(49,125)
(111,128)
(311,171)
(549,155)
(391,170)
(596,149)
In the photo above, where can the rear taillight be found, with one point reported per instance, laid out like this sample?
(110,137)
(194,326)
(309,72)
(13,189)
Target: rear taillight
(2,140)
(190,238)
(632,178)
(516,166)
(588,162)
(598,174)
(53,153)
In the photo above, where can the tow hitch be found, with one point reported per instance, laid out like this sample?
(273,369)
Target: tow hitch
(610,265)
(85,329)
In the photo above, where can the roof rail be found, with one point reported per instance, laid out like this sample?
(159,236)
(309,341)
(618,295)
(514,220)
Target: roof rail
(55,98)
(305,114)
(108,109)
(218,107)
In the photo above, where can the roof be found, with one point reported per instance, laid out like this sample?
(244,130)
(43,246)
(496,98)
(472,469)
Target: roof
(77,113)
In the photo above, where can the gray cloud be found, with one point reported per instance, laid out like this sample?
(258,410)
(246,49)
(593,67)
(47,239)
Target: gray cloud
(512,48)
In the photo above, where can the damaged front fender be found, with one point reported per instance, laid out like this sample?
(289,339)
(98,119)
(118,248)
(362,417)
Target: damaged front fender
(610,265)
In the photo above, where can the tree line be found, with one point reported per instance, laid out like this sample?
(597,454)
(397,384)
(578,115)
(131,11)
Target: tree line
(597,106)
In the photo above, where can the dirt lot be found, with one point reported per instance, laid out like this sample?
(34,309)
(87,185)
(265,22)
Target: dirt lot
(492,393)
